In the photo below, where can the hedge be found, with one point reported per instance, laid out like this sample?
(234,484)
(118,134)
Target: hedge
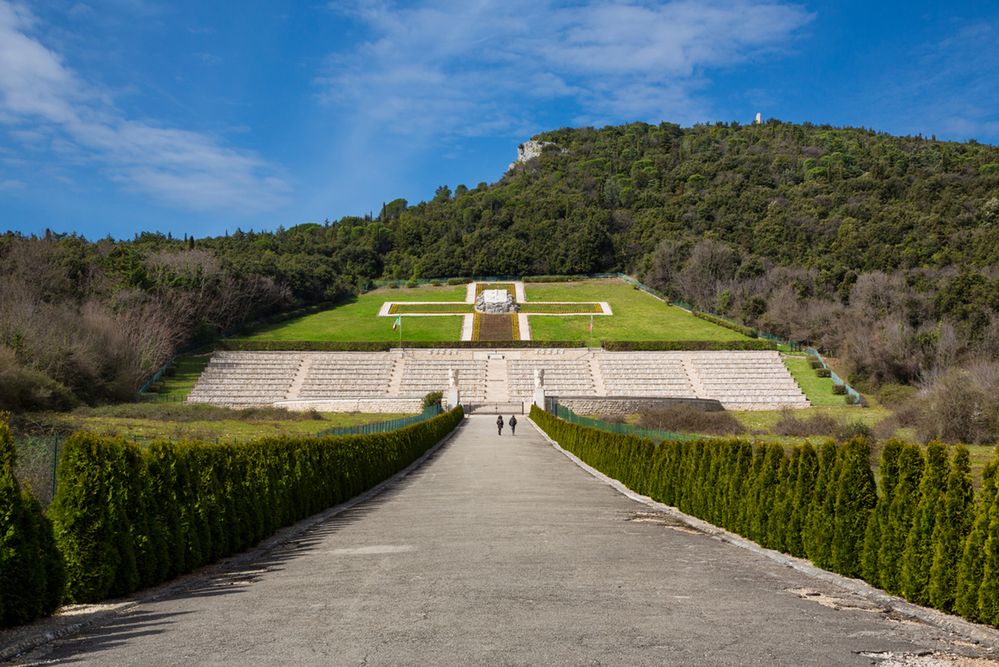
(31,568)
(247,345)
(728,324)
(128,517)
(926,537)
(686,345)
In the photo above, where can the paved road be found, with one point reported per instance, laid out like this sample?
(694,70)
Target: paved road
(499,550)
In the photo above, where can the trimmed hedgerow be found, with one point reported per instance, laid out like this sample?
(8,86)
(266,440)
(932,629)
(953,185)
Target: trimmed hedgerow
(686,345)
(31,572)
(247,345)
(926,536)
(127,517)
(728,324)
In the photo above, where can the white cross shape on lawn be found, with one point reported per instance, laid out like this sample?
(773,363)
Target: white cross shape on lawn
(467,309)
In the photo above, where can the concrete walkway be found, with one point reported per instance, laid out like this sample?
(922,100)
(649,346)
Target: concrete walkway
(500,550)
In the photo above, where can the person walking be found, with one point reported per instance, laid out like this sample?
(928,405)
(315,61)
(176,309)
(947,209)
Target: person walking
(513,424)
(499,425)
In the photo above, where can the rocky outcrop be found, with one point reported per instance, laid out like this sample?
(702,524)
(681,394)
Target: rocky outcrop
(529,150)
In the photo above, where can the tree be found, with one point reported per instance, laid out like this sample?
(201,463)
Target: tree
(918,555)
(971,568)
(856,497)
(950,532)
(899,519)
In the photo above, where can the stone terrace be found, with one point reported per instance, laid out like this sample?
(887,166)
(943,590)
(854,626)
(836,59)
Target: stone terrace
(394,381)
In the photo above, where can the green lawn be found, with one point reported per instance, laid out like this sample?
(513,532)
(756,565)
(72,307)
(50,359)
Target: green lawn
(181,378)
(357,319)
(818,390)
(637,315)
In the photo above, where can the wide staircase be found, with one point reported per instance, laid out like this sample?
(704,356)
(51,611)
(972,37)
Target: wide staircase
(738,380)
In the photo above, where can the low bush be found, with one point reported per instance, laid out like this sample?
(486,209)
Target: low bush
(791,424)
(823,372)
(458,281)
(689,419)
(895,395)
(432,398)
(552,279)
(839,389)
(247,345)
(814,363)
(127,517)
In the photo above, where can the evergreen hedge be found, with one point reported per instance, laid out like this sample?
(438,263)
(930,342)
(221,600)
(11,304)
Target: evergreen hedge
(127,517)
(31,570)
(926,536)
(728,324)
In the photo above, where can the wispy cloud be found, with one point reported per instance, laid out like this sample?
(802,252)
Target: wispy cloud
(463,67)
(40,96)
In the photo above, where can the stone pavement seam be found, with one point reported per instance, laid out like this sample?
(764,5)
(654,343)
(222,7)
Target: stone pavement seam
(954,624)
(105,612)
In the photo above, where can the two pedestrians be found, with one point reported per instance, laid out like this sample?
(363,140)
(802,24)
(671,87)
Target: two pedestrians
(513,425)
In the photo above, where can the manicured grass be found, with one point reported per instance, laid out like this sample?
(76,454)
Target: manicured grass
(357,319)
(180,380)
(560,308)
(637,315)
(416,308)
(818,390)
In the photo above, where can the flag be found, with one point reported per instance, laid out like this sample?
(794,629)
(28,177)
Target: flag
(591,323)
(397,323)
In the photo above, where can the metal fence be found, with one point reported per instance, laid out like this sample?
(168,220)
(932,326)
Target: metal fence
(568,415)
(37,465)
(389,425)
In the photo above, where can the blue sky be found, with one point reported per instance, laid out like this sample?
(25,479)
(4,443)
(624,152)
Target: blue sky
(118,116)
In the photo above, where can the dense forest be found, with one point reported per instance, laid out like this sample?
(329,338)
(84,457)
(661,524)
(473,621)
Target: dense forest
(882,250)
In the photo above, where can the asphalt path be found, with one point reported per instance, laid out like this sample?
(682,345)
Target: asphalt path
(499,550)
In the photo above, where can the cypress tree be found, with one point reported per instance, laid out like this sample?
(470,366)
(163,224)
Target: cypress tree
(821,512)
(780,521)
(918,555)
(888,473)
(895,531)
(804,486)
(856,497)
(988,589)
(950,532)
(764,490)
(969,572)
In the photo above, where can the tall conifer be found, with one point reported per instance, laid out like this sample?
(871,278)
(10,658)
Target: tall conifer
(895,531)
(856,497)
(950,532)
(918,555)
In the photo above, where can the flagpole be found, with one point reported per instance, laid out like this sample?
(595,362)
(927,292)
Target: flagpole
(400,334)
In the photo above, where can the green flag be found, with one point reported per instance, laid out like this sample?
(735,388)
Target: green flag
(397,323)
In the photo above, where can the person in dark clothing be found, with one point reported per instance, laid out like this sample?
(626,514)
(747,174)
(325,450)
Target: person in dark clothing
(513,425)
(499,425)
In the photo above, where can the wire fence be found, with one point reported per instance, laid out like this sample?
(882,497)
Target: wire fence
(658,435)
(429,412)
(37,464)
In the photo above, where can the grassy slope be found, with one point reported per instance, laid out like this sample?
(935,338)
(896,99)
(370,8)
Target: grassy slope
(818,390)
(637,315)
(183,421)
(186,371)
(357,320)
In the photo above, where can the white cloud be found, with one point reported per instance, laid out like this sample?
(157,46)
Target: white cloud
(458,66)
(40,95)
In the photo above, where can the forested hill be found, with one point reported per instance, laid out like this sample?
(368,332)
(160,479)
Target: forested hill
(883,250)
(840,200)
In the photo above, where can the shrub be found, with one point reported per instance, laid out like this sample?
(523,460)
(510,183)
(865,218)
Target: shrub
(458,281)
(950,531)
(728,324)
(686,345)
(895,395)
(689,419)
(899,518)
(815,363)
(790,424)
(839,389)
(431,399)
(127,517)
(823,372)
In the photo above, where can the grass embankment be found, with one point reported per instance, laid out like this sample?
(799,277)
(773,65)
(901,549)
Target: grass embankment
(817,390)
(180,379)
(357,319)
(151,421)
(637,316)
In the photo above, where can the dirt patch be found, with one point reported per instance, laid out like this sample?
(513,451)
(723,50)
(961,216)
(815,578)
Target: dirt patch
(927,659)
(661,519)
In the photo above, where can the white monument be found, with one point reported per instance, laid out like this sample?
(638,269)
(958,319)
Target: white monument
(496,301)
(453,398)
(539,387)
